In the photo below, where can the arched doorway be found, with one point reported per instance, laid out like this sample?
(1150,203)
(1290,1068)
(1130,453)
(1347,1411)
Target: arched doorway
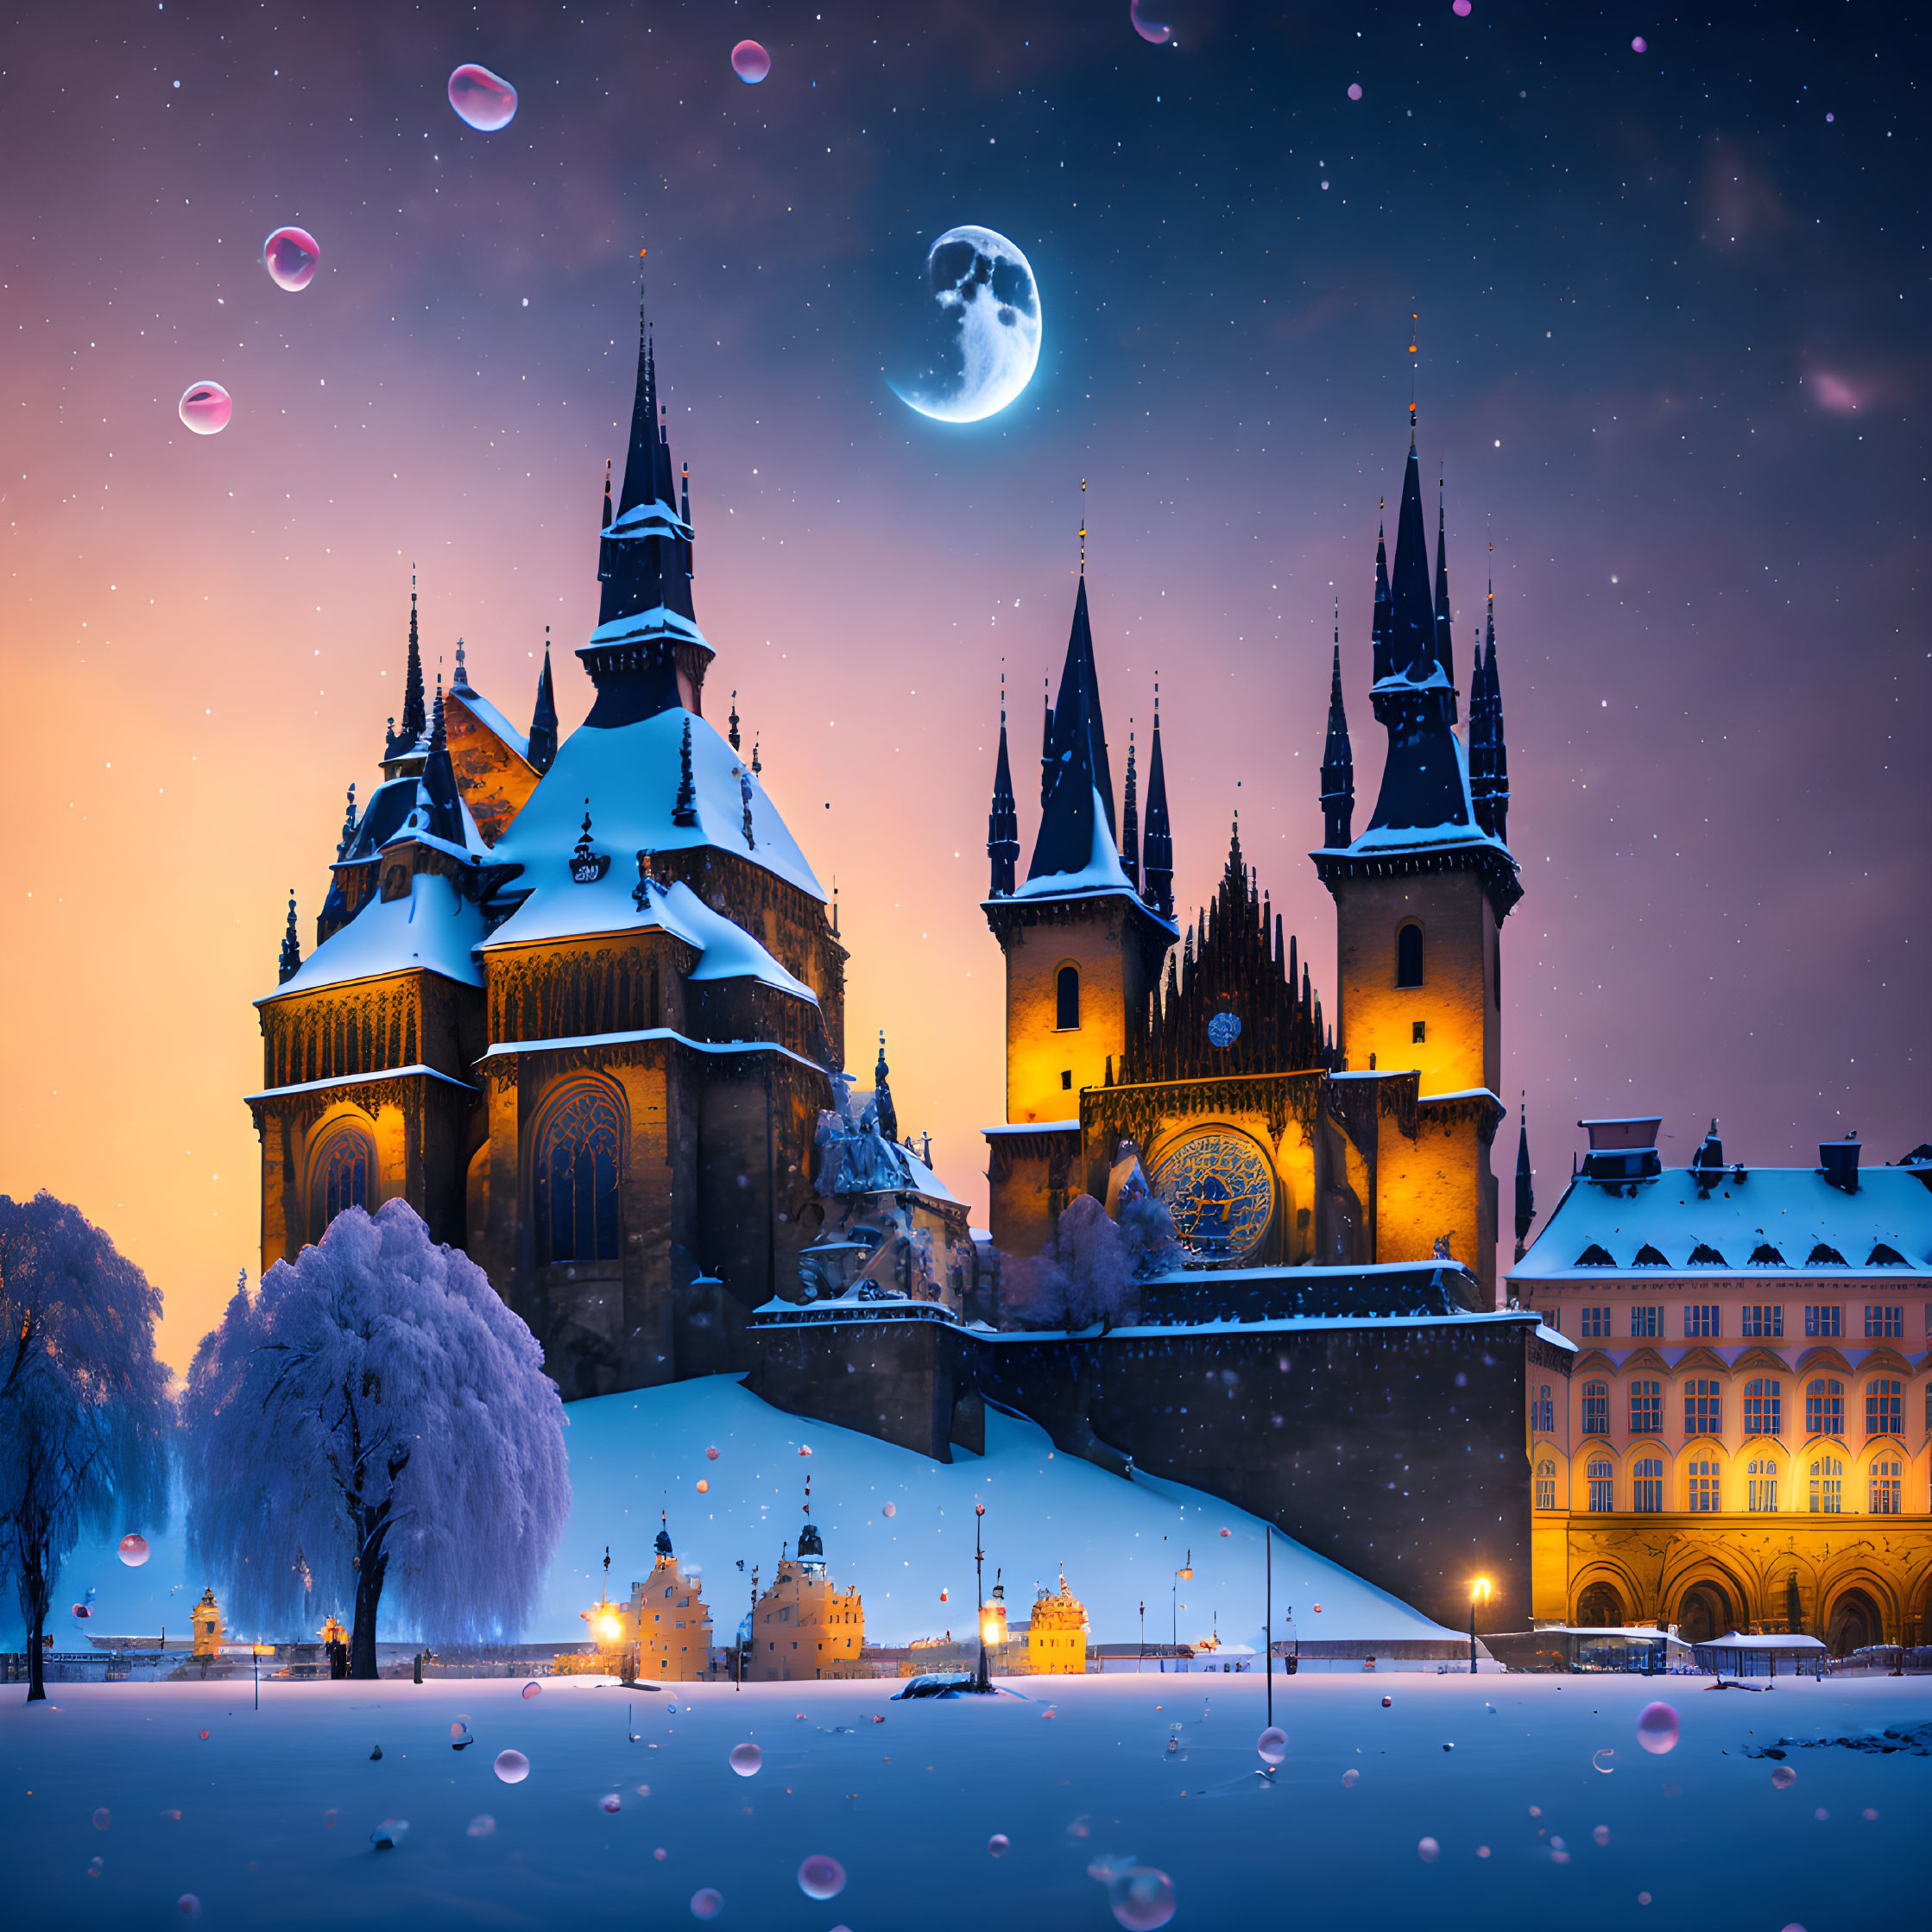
(1600,1607)
(1704,1612)
(1854,1623)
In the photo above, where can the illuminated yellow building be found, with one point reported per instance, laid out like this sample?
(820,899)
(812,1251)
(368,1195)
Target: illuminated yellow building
(804,1626)
(1742,1444)
(206,1620)
(1273,1139)
(668,1622)
(1057,1639)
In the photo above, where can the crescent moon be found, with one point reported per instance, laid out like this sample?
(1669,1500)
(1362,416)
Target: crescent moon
(999,340)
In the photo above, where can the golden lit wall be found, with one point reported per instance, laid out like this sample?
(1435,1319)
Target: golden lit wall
(671,1625)
(1046,1067)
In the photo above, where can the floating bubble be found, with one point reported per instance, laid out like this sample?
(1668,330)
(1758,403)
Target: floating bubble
(1350,1779)
(804,1450)
(661,1854)
(821,1878)
(205,408)
(390,1833)
(1354,90)
(1643,1898)
(101,1818)
(291,255)
(1597,1758)
(998,1846)
(203,1733)
(1149,30)
(188,1905)
(704,1487)
(174,1815)
(480,1826)
(1784,1778)
(611,1801)
(1460,8)
(512,1766)
(750,62)
(1657,1727)
(1820,1815)
(706,1904)
(96,1865)
(1601,1833)
(1228,1532)
(1482,1851)
(1794,1926)
(890,1509)
(484,100)
(533,1689)
(1272,1745)
(710,1455)
(745,1758)
(460,1731)
(133,1551)
(1387,1702)
(643,1790)
(1639,45)
(1536,1811)
(1870,1815)
(1141,1896)
(1428,1850)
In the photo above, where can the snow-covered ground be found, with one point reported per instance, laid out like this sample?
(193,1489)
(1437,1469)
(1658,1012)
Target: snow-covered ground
(266,1819)
(631,1455)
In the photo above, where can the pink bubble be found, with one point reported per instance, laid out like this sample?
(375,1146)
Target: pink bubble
(1643,1898)
(706,1904)
(1639,45)
(1656,1728)
(710,1455)
(745,1758)
(291,255)
(1601,1835)
(512,1766)
(205,408)
(133,1551)
(101,1818)
(998,1845)
(533,1689)
(821,1878)
(1152,31)
(1350,1779)
(188,1905)
(750,62)
(1784,1778)
(661,1854)
(1272,1745)
(1460,8)
(609,1802)
(1228,1532)
(1142,1898)
(1482,1851)
(891,1509)
(480,1826)
(1870,1815)
(482,100)
(1354,90)
(1820,1815)
(1794,1926)
(1428,1850)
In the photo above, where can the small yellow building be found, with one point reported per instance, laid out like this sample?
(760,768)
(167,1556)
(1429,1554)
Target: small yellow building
(805,1628)
(668,1621)
(208,1631)
(1056,1642)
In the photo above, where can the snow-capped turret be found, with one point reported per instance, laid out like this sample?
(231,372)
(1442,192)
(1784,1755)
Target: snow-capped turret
(403,738)
(543,716)
(291,960)
(1445,647)
(1130,821)
(1002,821)
(1157,872)
(1338,764)
(1526,1188)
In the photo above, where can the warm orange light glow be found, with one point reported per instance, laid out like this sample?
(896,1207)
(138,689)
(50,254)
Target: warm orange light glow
(1185,1575)
(1479,1591)
(610,1629)
(990,1631)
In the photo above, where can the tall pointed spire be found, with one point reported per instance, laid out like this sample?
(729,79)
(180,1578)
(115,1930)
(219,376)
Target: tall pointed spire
(1047,742)
(348,826)
(543,716)
(1075,780)
(1130,821)
(404,738)
(1338,764)
(291,962)
(1157,882)
(1525,1188)
(1498,746)
(1002,822)
(1412,608)
(1445,648)
(882,1094)
(1383,663)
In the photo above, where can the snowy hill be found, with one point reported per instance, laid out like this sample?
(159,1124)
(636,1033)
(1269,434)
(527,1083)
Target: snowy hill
(632,1455)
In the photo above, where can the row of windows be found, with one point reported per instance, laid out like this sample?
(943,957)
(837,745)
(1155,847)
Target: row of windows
(1823,1495)
(1763,1407)
(1758,1321)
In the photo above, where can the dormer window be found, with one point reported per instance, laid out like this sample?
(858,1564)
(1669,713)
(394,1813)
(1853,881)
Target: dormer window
(1824,1256)
(1705,1256)
(1596,1256)
(1766,1256)
(1648,1257)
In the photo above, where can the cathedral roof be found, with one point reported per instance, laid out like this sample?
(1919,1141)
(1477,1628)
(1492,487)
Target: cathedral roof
(433,930)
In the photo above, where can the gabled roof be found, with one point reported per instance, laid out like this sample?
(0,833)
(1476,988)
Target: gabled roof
(433,930)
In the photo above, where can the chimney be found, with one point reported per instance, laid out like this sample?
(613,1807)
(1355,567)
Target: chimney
(1838,1160)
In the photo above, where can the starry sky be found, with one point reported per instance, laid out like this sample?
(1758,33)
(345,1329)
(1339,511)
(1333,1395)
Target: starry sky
(1668,308)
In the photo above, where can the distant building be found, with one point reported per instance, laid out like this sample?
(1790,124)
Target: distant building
(208,1631)
(1056,1642)
(805,1627)
(1742,1444)
(670,1623)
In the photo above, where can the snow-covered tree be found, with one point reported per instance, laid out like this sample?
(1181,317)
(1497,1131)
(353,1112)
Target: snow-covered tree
(1087,1276)
(84,1404)
(1147,1228)
(375,1414)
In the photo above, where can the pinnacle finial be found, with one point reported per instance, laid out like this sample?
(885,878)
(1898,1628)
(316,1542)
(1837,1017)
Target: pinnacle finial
(1082,530)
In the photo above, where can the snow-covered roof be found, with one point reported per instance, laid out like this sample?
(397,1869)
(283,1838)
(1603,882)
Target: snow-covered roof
(1102,875)
(1167,1331)
(630,774)
(653,519)
(608,905)
(1461,832)
(1792,1210)
(1764,1640)
(504,1048)
(1035,1126)
(486,714)
(434,930)
(659,621)
(359,1079)
(414,829)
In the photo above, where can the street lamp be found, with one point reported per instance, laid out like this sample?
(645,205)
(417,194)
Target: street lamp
(1479,1593)
(979,1592)
(1183,1575)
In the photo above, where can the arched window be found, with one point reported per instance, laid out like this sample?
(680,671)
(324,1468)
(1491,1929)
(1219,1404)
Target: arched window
(1600,1607)
(1703,1487)
(1646,1408)
(1824,1407)
(1546,1484)
(1703,1408)
(1601,1500)
(579,1158)
(1763,1485)
(343,1173)
(1647,1489)
(1884,1407)
(1596,1408)
(1408,954)
(1543,1412)
(1763,1407)
(1887,1487)
(1827,1486)
(1066,999)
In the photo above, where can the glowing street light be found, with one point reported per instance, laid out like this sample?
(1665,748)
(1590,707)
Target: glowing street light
(1479,1593)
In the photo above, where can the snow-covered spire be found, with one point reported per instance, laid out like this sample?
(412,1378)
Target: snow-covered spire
(291,962)
(1445,647)
(1157,881)
(404,739)
(1384,660)
(1338,764)
(1130,819)
(348,826)
(684,811)
(1525,1188)
(1002,822)
(882,1094)
(1079,783)
(543,718)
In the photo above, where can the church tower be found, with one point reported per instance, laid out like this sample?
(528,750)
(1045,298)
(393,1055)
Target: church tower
(1083,943)
(1422,894)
